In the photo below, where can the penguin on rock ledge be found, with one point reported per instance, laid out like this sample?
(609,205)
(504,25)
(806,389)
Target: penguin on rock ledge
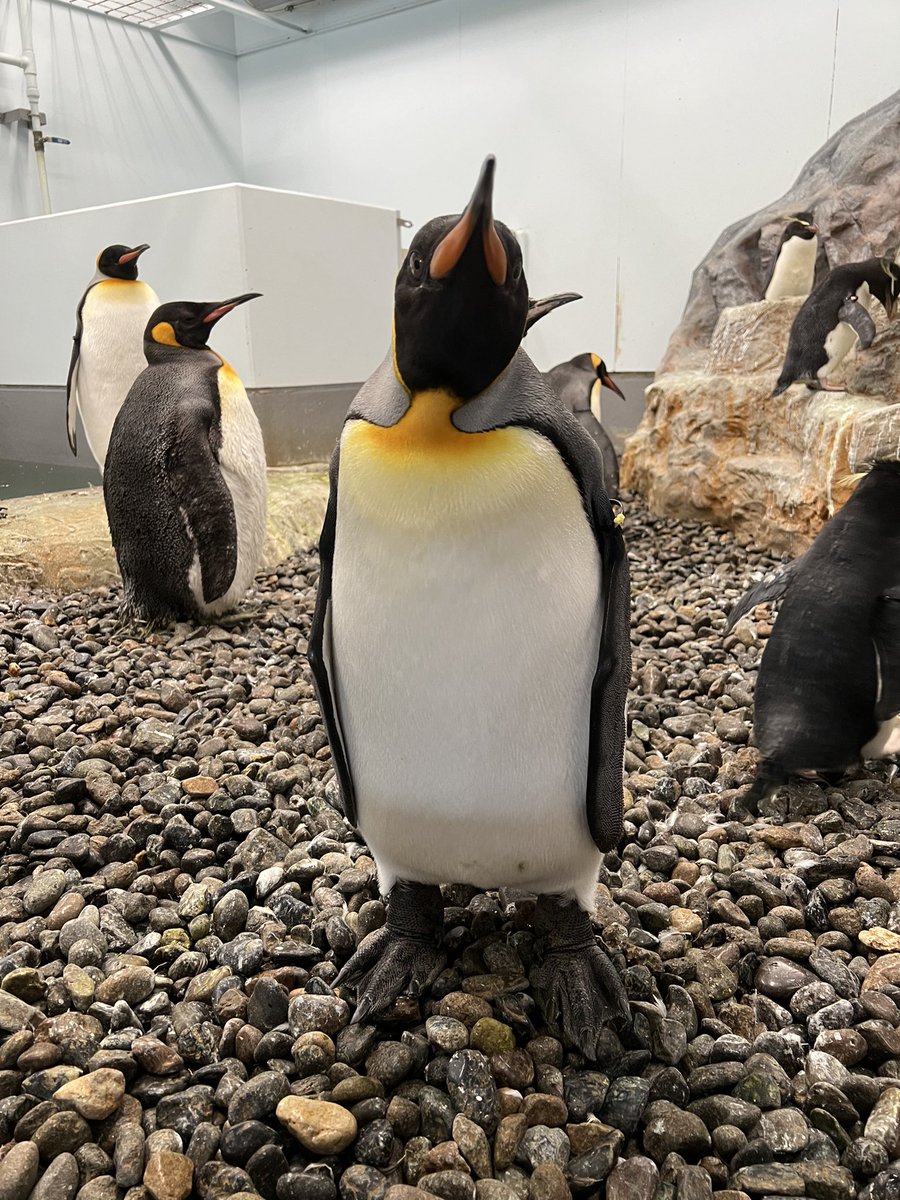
(470,643)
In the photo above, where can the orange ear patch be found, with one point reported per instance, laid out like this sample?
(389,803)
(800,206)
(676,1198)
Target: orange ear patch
(164,334)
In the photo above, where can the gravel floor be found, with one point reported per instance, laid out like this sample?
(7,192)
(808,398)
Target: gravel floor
(178,893)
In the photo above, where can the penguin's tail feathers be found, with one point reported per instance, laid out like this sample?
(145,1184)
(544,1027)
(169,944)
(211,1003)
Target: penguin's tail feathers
(781,386)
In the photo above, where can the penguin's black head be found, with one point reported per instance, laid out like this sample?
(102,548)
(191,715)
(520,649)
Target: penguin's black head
(801,225)
(595,364)
(120,262)
(461,300)
(187,325)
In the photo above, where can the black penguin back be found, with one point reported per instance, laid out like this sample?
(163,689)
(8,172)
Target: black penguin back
(818,682)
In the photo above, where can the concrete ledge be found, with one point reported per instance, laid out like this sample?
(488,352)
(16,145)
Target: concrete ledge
(60,540)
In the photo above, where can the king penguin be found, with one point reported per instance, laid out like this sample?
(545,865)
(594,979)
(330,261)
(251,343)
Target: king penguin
(828,689)
(833,317)
(794,267)
(185,479)
(108,349)
(578,383)
(470,642)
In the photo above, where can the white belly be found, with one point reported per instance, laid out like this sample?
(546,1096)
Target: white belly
(114,317)
(795,269)
(843,337)
(242,460)
(464,645)
(886,741)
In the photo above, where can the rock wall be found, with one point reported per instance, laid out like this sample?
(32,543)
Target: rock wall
(851,185)
(714,446)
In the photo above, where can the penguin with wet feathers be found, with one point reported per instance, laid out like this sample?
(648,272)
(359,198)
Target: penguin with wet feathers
(185,479)
(578,383)
(470,643)
(108,345)
(833,317)
(828,689)
(793,269)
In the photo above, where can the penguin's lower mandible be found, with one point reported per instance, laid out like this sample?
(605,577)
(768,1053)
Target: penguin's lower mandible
(470,642)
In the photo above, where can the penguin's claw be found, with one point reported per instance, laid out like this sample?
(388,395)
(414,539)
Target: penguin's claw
(404,957)
(387,966)
(579,994)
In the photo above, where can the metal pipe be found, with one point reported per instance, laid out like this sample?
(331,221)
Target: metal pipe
(256,14)
(34,97)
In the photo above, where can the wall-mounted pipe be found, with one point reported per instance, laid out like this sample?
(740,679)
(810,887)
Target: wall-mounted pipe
(26,62)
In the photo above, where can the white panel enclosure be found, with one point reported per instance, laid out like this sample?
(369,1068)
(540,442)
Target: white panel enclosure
(325,267)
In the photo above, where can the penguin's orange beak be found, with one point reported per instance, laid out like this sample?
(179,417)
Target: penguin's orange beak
(220,310)
(133,254)
(478,218)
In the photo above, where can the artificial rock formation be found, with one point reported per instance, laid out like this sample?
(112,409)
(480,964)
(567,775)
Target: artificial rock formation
(713,445)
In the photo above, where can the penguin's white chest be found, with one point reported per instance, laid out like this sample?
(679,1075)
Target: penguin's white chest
(795,269)
(111,356)
(841,340)
(242,461)
(466,617)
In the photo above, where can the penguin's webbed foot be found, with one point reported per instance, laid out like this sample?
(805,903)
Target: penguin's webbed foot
(404,957)
(577,987)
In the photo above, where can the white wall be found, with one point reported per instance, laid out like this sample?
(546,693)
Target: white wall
(145,114)
(629,133)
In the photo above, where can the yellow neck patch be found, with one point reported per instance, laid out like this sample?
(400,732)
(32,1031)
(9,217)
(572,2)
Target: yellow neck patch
(164,334)
(426,433)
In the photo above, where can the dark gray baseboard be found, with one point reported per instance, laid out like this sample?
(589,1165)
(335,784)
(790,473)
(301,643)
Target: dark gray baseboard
(299,425)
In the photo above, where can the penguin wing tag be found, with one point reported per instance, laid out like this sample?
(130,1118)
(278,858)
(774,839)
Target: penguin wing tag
(771,587)
(319,649)
(196,478)
(853,314)
(72,377)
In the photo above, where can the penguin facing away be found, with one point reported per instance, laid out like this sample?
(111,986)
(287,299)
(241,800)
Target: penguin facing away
(578,383)
(185,479)
(828,689)
(833,318)
(108,349)
(794,266)
(470,643)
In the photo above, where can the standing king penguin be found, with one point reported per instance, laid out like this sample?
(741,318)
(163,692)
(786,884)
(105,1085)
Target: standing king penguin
(578,383)
(185,479)
(794,267)
(828,690)
(108,350)
(470,642)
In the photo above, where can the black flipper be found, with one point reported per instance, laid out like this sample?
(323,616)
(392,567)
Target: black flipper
(853,314)
(404,957)
(72,377)
(319,648)
(209,509)
(886,635)
(774,585)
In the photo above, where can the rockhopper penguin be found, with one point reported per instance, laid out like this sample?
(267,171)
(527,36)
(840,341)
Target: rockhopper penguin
(185,479)
(833,317)
(578,383)
(108,350)
(828,689)
(470,642)
(794,267)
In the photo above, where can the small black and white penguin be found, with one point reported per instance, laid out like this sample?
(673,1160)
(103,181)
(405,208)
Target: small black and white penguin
(185,479)
(470,642)
(833,318)
(108,350)
(794,266)
(828,689)
(578,383)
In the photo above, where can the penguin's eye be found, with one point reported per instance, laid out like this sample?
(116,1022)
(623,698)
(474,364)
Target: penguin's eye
(517,272)
(415,265)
